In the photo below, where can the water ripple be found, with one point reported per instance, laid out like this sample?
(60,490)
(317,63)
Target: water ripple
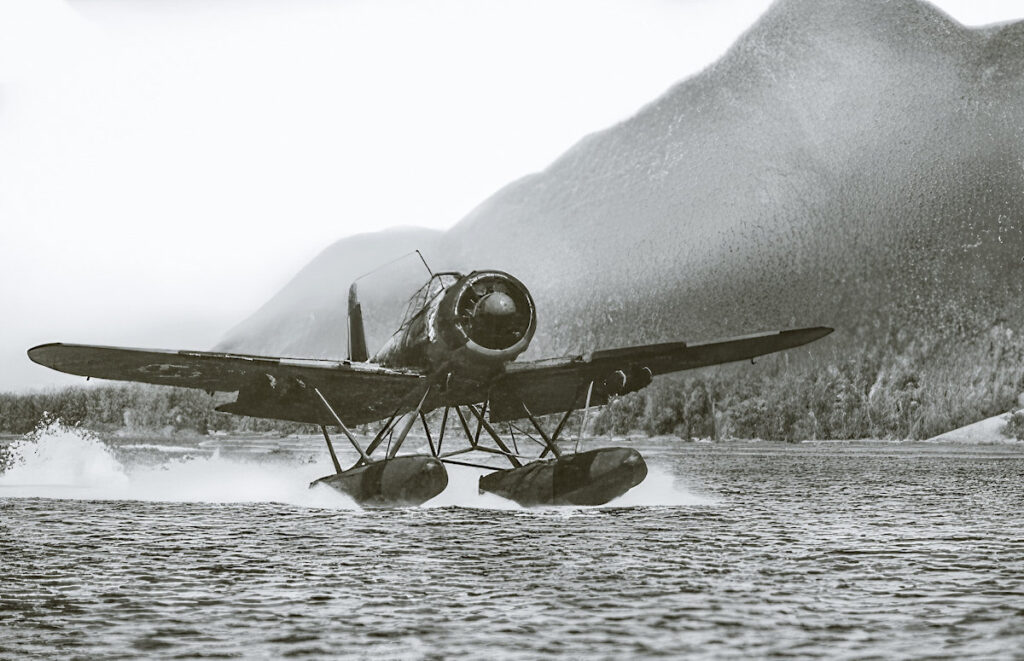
(809,551)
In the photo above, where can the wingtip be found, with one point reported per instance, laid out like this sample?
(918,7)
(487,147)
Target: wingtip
(808,335)
(37,354)
(40,347)
(817,331)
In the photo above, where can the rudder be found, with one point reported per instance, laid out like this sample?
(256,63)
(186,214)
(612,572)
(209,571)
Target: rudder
(356,335)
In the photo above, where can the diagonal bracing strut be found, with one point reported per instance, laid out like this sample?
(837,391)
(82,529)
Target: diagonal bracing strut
(410,420)
(550,441)
(493,434)
(344,429)
(330,449)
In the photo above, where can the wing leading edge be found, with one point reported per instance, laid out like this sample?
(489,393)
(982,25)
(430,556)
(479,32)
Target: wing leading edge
(281,388)
(268,387)
(561,384)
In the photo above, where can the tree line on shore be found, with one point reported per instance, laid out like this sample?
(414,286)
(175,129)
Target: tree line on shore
(902,386)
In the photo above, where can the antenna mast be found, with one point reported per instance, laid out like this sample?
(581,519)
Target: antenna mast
(423,259)
(396,259)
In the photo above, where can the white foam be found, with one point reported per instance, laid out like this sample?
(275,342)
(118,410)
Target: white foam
(58,456)
(57,461)
(463,491)
(158,448)
(660,489)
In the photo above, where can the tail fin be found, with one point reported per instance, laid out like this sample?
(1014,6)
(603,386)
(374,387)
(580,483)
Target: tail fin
(356,335)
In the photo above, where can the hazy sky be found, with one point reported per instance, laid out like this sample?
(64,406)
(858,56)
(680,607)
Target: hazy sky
(165,167)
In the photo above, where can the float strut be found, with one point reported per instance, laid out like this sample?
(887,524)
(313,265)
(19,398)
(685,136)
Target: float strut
(558,431)
(494,435)
(465,427)
(408,425)
(379,438)
(548,441)
(444,423)
(480,424)
(561,426)
(330,448)
(344,429)
(426,430)
(586,412)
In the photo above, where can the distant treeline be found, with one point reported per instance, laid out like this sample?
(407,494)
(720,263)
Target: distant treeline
(135,408)
(1015,426)
(894,385)
(899,386)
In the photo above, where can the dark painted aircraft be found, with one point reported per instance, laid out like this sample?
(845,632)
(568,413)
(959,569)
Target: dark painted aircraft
(455,350)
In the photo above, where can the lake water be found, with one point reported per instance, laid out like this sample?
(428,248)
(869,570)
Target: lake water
(182,549)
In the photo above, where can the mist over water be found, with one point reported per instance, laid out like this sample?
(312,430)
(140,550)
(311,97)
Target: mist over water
(181,548)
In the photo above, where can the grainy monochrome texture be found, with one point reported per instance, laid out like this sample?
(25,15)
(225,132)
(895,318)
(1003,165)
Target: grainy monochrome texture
(726,551)
(858,165)
(739,374)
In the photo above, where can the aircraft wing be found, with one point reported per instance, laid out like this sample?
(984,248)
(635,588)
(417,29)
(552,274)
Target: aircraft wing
(268,387)
(561,384)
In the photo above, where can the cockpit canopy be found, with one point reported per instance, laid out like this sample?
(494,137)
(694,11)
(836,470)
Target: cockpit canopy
(433,288)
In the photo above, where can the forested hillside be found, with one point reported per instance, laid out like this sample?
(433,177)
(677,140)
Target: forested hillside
(848,164)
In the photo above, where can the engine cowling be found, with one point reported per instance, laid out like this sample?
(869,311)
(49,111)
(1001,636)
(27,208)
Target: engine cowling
(489,315)
(476,323)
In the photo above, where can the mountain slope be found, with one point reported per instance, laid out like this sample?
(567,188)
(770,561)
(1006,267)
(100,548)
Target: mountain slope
(308,317)
(854,164)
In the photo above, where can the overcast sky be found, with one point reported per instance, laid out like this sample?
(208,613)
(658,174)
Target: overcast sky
(165,167)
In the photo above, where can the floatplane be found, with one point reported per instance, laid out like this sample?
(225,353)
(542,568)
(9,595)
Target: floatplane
(455,350)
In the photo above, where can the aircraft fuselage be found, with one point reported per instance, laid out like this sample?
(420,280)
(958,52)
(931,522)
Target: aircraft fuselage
(466,325)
